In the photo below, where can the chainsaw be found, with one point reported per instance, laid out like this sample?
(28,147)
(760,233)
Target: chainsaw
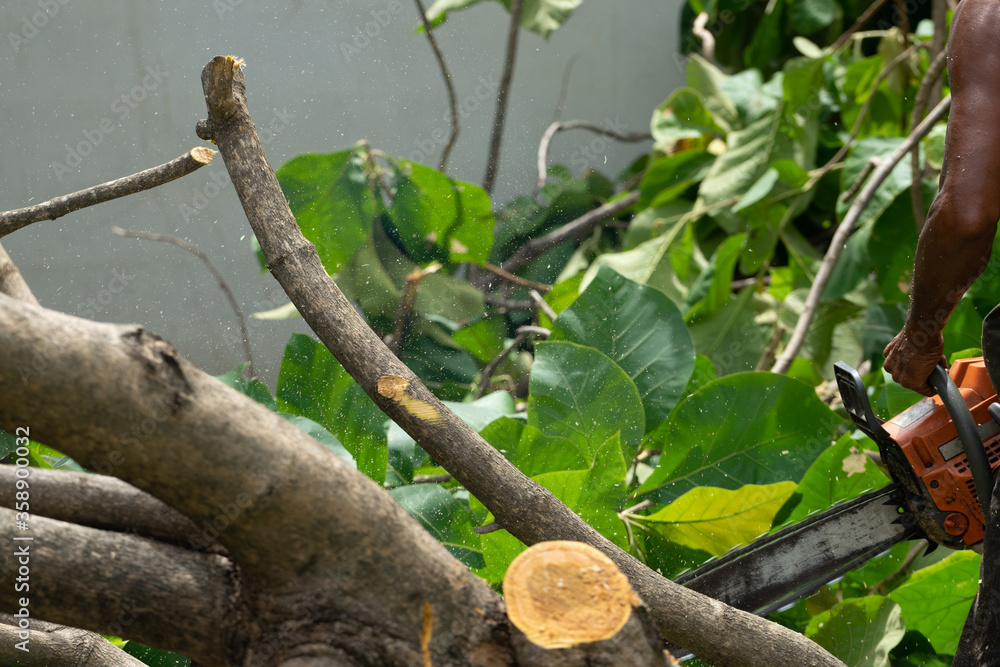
(941,454)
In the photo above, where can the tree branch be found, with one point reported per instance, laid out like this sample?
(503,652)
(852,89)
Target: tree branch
(223,285)
(196,158)
(571,230)
(556,127)
(525,508)
(121,585)
(52,644)
(863,19)
(493,158)
(844,229)
(103,502)
(120,400)
(12,282)
(452,101)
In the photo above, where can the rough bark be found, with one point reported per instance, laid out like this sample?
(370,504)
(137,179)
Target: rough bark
(53,644)
(717,633)
(120,585)
(99,501)
(325,553)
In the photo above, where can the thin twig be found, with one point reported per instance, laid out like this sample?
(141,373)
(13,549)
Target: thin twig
(859,182)
(564,88)
(501,113)
(844,229)
(556,127)
(506,305)
(886,71)
(223,285)
(542,305)
(571,230)
(522,335)
(707,38)
(404,314)
(517,280)
(863,19)
(452,100)
(196,158)
(432,479)
(924,94)
(644,505)
(12,282)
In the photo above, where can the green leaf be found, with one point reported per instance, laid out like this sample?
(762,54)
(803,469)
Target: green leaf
(439,218)
(444,517)
(532,451)
(715,283)
(859,631)
(329,196)
(899,179)
(936,599)
(716,520)
(649,263)
(840,473)
(320,435)
(641,330)
(748,428)
(596,494)
(682,116)
(667,178)
(483,339)
(254,388)
(540,16)
(808,16)
(578,393)
(155,657)
(313,384)
(707,80)
(730,336)
(658,221)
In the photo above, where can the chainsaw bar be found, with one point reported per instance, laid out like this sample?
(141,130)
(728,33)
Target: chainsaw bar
(778,569)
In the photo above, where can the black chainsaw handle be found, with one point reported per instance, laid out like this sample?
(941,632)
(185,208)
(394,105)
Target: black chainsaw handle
(968,433)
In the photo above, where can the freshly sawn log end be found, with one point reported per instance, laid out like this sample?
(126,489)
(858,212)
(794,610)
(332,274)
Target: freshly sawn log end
(561,594)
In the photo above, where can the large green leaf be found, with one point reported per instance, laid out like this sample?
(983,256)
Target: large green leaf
(682,116)
(532,451)
(541,16)
(936,599)
(313,384)
(597,494)
(331,201)
(578,393)
(840,473)
(859,631)
(748,428)
(649,263)
(444,517)
(155,657)
(716,520)
(667,178)
(438,218)
(320,435)
(641,330)
(731,336)
(808,16)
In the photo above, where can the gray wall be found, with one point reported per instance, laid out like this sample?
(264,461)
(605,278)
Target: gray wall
(120,81)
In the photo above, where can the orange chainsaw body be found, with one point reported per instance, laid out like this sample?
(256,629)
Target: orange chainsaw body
(929,441)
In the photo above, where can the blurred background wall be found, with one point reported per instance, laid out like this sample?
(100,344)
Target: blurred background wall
(105,89)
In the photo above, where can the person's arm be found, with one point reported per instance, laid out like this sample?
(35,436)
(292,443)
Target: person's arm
(955,244)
